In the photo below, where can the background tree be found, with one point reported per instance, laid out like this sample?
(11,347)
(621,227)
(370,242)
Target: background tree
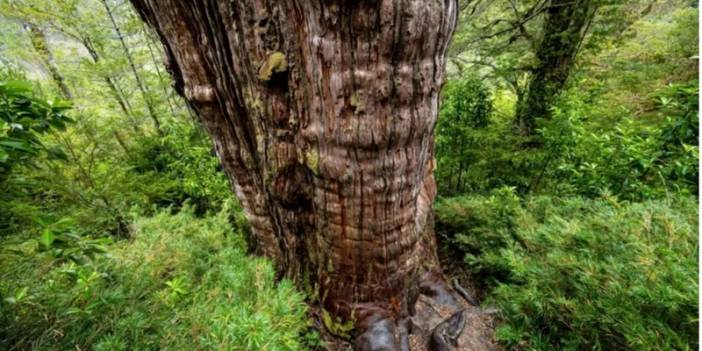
(113,123)
(40,45)
(531,47)
(137,77)
(564,29)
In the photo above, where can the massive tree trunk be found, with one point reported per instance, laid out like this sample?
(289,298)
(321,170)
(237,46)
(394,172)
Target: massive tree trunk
(564,29)
(322,113)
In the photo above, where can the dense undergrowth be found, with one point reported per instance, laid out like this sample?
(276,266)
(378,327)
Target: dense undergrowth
(178,283)
(575,273)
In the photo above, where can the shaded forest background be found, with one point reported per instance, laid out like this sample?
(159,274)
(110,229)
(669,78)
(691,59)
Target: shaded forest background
(567,168)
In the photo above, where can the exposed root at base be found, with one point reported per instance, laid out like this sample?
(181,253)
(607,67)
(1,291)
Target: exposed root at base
(441,321)
(378,333)
(447,332)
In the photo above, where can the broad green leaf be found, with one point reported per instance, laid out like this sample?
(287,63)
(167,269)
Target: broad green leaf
(60,105)
(47,238)
(17,86)
(21,293)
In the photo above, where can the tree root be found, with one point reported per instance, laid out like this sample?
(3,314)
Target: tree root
(378,334)
(404,329)
(438,322)
(447,332)
(464,293)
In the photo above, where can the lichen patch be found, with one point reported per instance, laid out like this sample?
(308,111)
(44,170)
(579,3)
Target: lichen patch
(275,63)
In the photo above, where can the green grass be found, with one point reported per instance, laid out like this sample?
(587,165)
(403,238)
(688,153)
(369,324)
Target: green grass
(579,274)
(181,283)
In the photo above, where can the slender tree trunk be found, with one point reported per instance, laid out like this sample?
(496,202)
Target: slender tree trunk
(121,101)
(459,181)
(564,29)
(449,180)
(122,143)
(40,46)
(322,114)
(140,82)
(112,85)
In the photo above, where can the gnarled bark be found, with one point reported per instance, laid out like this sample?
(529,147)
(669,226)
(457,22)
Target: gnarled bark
(322,114)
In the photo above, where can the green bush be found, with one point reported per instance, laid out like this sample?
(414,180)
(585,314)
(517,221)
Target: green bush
(180,283)
(632,159)
(580,153)
(24,116)
(182,160)
(102,188)
(466,108)
(574,273)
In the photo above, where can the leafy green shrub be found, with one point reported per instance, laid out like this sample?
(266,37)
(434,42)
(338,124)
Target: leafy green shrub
(470,224)
(181,283)
(679,136)
(466,108)
(61,240)
(574,273)
(633,160)
(23,118)
(183,161)
(102,188)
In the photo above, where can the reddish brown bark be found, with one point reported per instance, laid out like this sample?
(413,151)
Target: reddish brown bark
(322,114)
